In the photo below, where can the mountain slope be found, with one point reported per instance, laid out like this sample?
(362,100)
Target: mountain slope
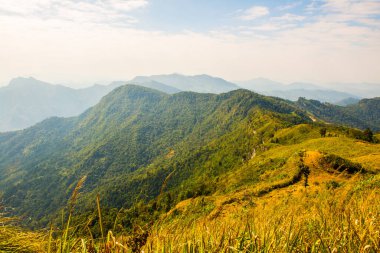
(278,204)
(364,114)
(131,141)
(26,101)
(299,184)
(213,172)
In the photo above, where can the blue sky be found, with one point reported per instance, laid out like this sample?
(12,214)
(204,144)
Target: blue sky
(203,16)
(82,42)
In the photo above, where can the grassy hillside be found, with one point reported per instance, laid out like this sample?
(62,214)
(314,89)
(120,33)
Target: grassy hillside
(303,193)
(122,145)
(334,208)
(191,173)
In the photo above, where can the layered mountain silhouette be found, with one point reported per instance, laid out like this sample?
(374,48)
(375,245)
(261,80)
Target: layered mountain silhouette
(296,90)
(197,83)
(123,143)
(135,137)
(363,114)
(27,101)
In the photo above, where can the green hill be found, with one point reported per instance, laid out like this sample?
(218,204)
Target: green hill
(190,171)
(122,145)
(364,114)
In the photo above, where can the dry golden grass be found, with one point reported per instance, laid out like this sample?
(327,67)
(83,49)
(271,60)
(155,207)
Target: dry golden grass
(371,161)
(315,220)
(14,239)
(337,212)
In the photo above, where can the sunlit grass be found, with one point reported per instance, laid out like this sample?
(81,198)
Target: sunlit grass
(15,239)
(263,206)
(318,219)
(327,222)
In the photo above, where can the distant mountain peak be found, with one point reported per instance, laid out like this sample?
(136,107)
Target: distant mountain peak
(25,81)
(198,83)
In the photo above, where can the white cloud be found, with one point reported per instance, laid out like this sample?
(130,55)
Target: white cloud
(317,52)
(102,11)
(290,6)
(273,24)
(363,11)
(312,6)
(254,13)
(288,17)
(353,7)
(271,27)
(127,5)
(67,50)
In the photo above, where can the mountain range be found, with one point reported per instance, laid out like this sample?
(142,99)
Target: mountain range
(364,114)
(27,101)
(197,83)
(124,140)
(296,90)
(122,145)
(146,157)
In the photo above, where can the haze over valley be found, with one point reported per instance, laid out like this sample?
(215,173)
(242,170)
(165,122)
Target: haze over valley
(27,101)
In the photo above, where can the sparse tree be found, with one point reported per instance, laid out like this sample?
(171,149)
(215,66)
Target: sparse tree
(323,132)
(306,172)
(368,135)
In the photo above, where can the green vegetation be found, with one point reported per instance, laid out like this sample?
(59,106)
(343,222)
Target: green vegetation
(364,114)
(15,239)
(122,146)
(321,223)
(191,173)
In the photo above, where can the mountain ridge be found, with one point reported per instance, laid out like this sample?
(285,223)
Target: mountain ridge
(26,101)
(19,108)
(364,114)
(97,144)
(197,83)
(295,90)
(167,163)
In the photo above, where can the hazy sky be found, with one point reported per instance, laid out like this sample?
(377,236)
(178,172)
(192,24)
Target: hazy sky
(81,42)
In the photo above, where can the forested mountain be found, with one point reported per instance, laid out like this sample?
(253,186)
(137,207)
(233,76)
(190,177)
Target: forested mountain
(348,101)
(187,160)
(27,101)
(364,114)
(123,144)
